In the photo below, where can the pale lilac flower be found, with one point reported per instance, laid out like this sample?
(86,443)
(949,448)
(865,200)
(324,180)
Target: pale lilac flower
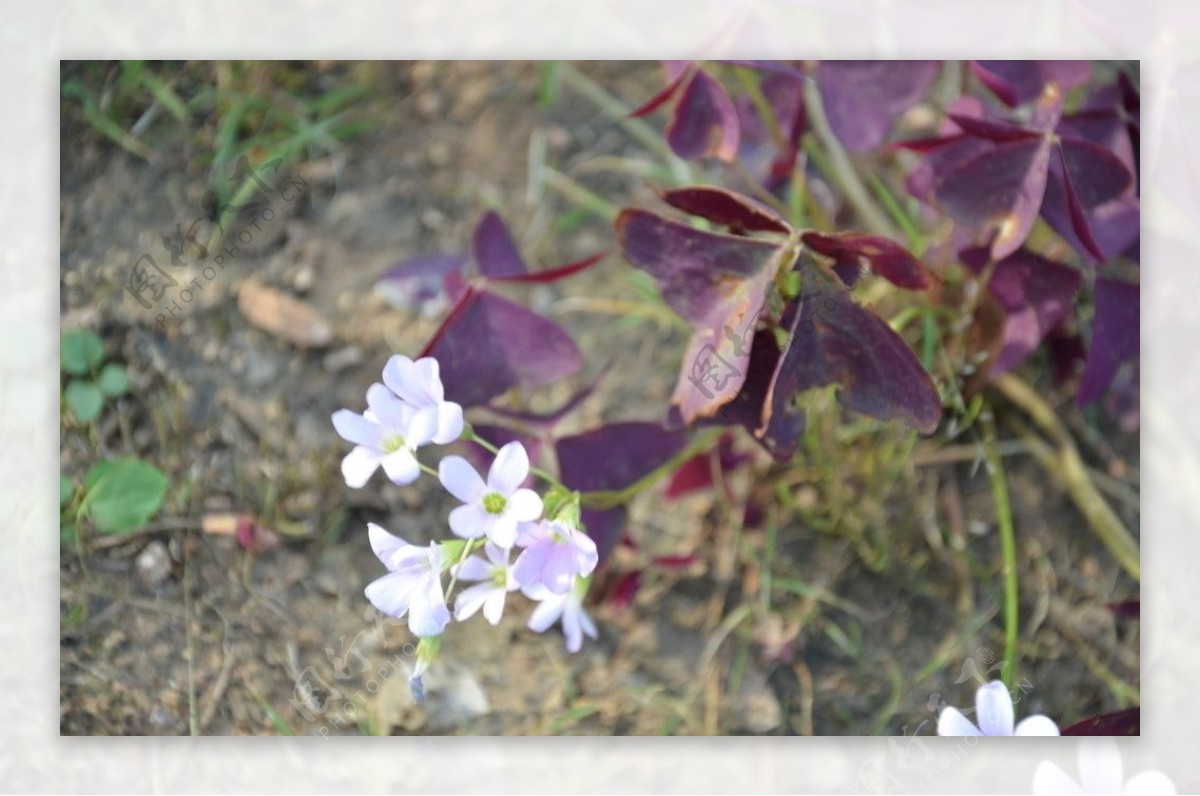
(994,710)
(554,555)
(496,582)
(386,434)
(419,385)
(413,585)
(569,608)
(1100,771)
(491,509)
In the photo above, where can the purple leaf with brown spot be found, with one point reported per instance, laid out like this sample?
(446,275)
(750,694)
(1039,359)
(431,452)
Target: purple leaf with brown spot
(705,120)
(1035,295)
(863,98)
(719,284)
(1018,82)
(1001,190)
(835,341)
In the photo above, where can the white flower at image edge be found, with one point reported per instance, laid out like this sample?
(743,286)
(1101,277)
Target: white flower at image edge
(1100,771)
(994,712)
(419,384)
(492,509)
(413,585)
(567,607)
(386,434)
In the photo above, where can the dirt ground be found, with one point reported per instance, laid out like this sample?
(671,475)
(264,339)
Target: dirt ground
(173,630)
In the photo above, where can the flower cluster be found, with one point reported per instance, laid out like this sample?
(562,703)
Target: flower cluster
(525,546)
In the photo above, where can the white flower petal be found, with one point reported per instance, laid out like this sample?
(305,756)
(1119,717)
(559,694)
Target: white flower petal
(429,378)
(546,614)
(469,521)
(994,709)
(355,428)
(1036,725)
(493,606)
(1100,769)
(385,545)
(524,505)
(428,614)
(589,627)
(953,723)
(401,467)
(471,600)
(383,404)
(358,466)
(571,629)
(1148,783)
(400,375)
(509,469)
(392,594)
(1050,780)
(449,423)
(474,568)
(460,479)
(420,426)
(502,531)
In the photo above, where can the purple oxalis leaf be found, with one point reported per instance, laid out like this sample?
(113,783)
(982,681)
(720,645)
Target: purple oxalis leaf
(738,213)
(552,274)
(719,284)
(863,98)
(1035,294)
(488,345)
(1116,336)
(1018,82)
(612,458)
(835,341)
(495,251)
(1000,189)
(885,257)
(1122,722)
(705,120)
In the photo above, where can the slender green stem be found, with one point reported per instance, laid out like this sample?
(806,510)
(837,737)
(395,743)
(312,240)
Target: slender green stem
(539,472)
(587,199)
(1008,545)
(842,170)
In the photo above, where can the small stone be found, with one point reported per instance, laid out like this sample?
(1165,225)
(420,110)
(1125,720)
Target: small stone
(154,564)
(304,279)
(343,358)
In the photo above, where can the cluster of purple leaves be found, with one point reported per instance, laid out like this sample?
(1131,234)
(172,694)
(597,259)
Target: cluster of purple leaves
(488,345)
(1006,155)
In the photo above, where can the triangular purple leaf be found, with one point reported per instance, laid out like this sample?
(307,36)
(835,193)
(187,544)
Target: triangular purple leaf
(1001,189)
(488,345)
(705,121)
(862,98)
(552,274)
(1116,336)
(495,251)
(835,341)
(719,284)
(1035,294)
